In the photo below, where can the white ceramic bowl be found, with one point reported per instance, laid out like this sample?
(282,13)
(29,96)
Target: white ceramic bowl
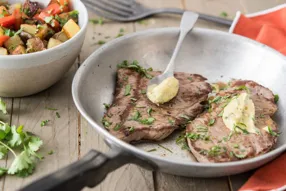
(22,75)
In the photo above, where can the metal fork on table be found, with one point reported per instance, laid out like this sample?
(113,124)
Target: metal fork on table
(130,10)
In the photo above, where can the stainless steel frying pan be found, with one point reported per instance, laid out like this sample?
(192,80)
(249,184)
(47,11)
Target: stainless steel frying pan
(216,55)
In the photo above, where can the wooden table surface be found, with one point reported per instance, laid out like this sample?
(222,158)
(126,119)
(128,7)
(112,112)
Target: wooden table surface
(70,136)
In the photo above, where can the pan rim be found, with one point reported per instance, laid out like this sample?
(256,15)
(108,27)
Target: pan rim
(142,153)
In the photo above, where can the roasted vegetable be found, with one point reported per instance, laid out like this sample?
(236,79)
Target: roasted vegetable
(53,42)
(64,17)
(44,32)
(31,29)
(30,8)
(13,42)
(35,45)
(19,50)
(61,36)
(25,27)
(71,28)
(25,36)
(3,51)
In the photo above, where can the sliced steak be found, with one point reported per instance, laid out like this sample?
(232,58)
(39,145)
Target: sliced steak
(211,141)
(133,117)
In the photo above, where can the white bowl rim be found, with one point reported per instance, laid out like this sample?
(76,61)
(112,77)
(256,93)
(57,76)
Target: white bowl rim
(66,44)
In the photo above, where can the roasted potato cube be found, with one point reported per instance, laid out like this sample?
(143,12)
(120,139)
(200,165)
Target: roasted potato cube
(13,42)
(61,36)
(19,50)
(3,51)
(53,42)
(71,28)
(31,29)
(35,45)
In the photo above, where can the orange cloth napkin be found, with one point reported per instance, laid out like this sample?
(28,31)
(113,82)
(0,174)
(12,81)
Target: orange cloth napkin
(267,27)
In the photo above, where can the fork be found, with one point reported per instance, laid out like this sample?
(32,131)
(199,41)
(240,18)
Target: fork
(130,10)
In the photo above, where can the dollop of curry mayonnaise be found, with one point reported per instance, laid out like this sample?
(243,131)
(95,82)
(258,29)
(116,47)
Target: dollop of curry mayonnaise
(240,111)
(163,92)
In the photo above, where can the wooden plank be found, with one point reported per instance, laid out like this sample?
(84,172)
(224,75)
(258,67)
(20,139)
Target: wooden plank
(128,177)
(165,181)
(60,135)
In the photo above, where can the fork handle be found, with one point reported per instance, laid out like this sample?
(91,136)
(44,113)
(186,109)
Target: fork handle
(201,16)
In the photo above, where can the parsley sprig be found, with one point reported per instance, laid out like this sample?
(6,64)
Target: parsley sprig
(135,66)
(22,145)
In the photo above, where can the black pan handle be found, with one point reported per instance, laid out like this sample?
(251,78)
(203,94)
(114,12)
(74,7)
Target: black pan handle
(88,171)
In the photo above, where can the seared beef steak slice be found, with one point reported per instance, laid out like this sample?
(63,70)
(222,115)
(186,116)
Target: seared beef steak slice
(211,141)
(133,117)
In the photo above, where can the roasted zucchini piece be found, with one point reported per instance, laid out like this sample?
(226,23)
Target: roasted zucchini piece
(61,36)
(53,42)
(19,50)
(13,42)
(31,29)
(35,45)
(71,28)
(3,51)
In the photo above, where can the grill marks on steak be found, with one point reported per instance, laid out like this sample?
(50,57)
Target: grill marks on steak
(220,145)
(119,118)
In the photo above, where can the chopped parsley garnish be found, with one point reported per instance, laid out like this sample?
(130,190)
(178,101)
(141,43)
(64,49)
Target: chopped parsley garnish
(50,152)
(121,30)
(193,136)
(276,98)
(244,131)
(181,140)
(149,111)
(152,150)
(201,128)
(44,123)
(240,156)
(97,21)
(242,88)
(117,127)
(101,42)
(131,129)
(142,22)
(106,106)
(147,121)
(136,116)
(135,66)
(216,99)
(171,121)
(106,123)
(211,122)
(127,90)
(235,146)
(143,91)
(271,132)
(215,151)
(165,148)
(48,19)
(223,14)
(221,113)
(58,115)
(52,109)
(190,78)
(185,117)
(133,99)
